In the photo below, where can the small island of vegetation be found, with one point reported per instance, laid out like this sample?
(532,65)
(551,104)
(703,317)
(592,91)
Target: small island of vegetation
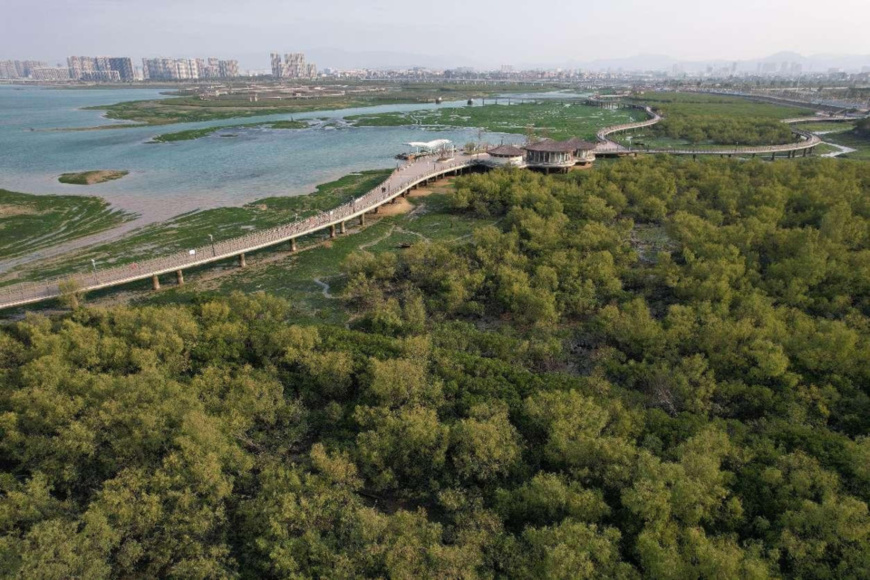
(91,177)
(191,134)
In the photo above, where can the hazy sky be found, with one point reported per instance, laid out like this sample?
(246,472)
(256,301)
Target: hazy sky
(458,31)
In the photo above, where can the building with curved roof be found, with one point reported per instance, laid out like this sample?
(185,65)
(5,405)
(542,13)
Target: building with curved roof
(506,155)
(547,154)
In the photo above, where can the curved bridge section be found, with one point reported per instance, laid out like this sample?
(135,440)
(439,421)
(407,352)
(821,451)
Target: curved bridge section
(807,142)
(399,183)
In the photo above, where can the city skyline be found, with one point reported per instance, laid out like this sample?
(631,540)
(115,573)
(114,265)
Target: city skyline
(450,35)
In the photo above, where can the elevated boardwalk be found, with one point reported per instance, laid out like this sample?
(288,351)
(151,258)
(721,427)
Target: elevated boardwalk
(806,143)
(398,184)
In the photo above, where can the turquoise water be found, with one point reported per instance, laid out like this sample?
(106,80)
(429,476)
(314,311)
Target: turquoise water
(172,178)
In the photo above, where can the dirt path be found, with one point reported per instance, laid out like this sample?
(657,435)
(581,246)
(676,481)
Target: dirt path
(377,241)
(324,287)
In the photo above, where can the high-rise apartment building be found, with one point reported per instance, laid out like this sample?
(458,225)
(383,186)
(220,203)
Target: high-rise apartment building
(124,67)
(179,69)
(100,68)
(8,70)
(228,68)
(19,69)
(50,73)
(292,67)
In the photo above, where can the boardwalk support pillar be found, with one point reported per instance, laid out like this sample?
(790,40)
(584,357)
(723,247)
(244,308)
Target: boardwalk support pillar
(342,229)
(332,231)
(773,156)
(362,219)
(805,152)
(179,276)
(242,263)
(155,282)
(293,244)
(377,209)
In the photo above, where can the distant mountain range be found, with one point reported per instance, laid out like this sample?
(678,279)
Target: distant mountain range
(387,60)
(814,63)
(326,57)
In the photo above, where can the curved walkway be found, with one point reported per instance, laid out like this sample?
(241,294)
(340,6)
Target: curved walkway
(401,181)
(808,141)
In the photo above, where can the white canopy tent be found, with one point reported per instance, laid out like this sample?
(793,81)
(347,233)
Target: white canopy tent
(430,146)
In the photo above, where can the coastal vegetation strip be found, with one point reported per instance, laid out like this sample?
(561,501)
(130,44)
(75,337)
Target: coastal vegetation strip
(32,222)
(92,177)
(193,229)
(555,119)
(192,134)
(193,108)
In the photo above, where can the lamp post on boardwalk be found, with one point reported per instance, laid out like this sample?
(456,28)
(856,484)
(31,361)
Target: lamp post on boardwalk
(213,253)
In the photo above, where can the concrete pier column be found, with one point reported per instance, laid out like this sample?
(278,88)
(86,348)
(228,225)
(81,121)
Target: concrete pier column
(362,219)
(155,282)
(332,231)
(773,156)
(805,152)
(293,244)
(242,263)
(377,209)
(179,277)
(343,228)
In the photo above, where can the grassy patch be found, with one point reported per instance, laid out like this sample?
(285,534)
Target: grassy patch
(192,134)
(32,222)
(823,126)
(91,177)
(850,139)
(554,119)
(189,109)
(694,104)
